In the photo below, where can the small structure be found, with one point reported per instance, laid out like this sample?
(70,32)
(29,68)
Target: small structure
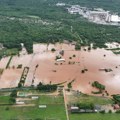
(97,108)
(1,46)
(34,97)
(115,18)
(18,102)
(60,60)
(42,106)
(60,4)
(21,94)
(74,109)
(116,107)
(61,52)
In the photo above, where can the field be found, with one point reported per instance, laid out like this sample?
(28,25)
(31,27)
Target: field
(55,110)
(86,99)
(94,116)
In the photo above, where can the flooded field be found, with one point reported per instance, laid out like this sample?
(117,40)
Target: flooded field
(56,72)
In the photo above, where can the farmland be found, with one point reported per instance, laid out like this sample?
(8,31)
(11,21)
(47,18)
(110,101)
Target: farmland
(94,116)
(55,109)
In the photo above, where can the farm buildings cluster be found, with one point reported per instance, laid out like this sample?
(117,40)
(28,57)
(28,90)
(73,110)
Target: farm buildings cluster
(96,15)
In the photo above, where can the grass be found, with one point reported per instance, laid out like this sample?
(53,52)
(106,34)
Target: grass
(13,51)
(4,99)
(50,99)
(89,99)
(55,109)
(8,52)
(96,116)
(115,50)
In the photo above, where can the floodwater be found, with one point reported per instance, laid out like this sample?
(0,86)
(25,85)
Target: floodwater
(48,72)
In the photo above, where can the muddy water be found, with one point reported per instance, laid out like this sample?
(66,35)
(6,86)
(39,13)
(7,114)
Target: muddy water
(47,71)
(10,78)
(93,61)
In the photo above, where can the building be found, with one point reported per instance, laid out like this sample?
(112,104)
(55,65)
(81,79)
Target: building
(21,94)
(60,4)
(18,102)
(42,106)
(60,60)
(74,109)
(115,18)
(98,15)
(34,97)
(116,107)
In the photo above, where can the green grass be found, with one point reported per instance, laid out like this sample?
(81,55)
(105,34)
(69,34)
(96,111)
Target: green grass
(55,109)
(90,99)
(50,99)
(52,111)
(96,116)
(9,52)
(4,99)
(13,51)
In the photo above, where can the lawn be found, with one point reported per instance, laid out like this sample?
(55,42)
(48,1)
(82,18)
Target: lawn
(50,99)
(55,110)
(4,99)
(94,116)
(89,99)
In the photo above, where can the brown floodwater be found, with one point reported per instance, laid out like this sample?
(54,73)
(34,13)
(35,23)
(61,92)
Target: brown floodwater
(47,71)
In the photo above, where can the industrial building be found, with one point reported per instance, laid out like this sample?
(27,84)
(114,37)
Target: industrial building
(98,15)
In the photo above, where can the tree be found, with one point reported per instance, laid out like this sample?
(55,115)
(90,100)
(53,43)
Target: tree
(13,94)
(19,85)
(53,50)
(12,100)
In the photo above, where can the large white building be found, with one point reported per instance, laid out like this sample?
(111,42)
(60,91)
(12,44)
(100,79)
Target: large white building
(115,18)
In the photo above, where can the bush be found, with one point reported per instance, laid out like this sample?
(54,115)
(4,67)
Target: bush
(86,106)
(7,108)
(110,111)
(118,111)
(98,85)
(74,55)
(13,94)
(77,47)
(103,111)
(19,66)
(47,87)
(12,100)
(53,50)
(82,71)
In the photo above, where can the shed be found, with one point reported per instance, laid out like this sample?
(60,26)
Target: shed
(60,60)
(20,102)
(34,97)
(42,106)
